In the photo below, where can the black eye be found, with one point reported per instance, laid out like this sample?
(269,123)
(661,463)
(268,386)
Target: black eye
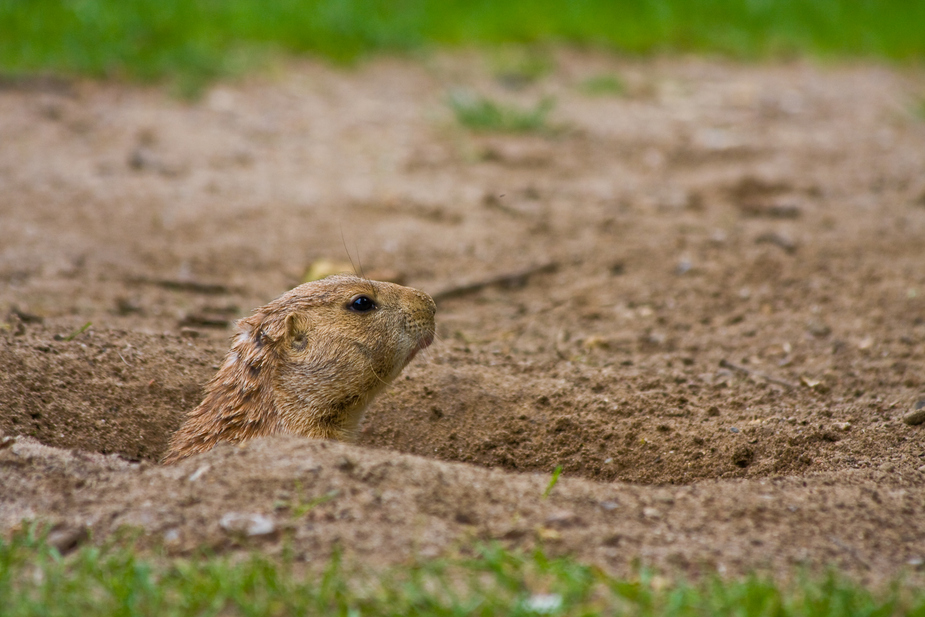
(362,304)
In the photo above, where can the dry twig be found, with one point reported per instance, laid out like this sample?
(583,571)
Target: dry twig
(747,371)
(511,279)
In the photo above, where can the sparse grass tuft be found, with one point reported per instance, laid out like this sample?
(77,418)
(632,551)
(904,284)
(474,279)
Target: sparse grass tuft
(36,580)
(553,480)
(520,66)
(481,114)
(603,85)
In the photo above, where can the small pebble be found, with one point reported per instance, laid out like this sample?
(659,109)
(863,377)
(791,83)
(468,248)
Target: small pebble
(916,415)
(818,328)
(781,240)
(345,464)
(544,603)
(562,518)
(733,429)
(187,332)
(251,524)
(68,538)
(143,158)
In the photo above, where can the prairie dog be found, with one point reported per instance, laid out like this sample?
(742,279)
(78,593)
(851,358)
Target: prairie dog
(309,363)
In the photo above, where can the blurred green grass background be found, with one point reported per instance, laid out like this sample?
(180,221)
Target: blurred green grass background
(201,39)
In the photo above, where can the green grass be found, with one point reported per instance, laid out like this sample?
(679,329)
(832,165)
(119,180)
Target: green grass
(603,85)
(485,115)
(552,481)
(521,65)
(36,580)
(195,40)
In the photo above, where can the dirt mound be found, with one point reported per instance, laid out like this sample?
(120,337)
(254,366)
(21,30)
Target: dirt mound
(386,508)
(714,282)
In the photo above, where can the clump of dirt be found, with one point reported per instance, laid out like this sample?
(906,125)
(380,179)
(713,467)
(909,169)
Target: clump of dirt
(714,283)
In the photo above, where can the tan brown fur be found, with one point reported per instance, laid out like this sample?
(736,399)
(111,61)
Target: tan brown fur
(309,365)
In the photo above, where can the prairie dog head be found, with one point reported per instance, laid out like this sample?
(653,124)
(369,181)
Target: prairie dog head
(339,341)
(309,363)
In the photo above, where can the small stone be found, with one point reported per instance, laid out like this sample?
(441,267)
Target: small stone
(780,208)
(561,519)
(917,415)
(465,518)
(26,316)
(548,534)
(127,306)
(651,513)
(249,524)
(596,342)
(544,603)
(810,383)
(67,539)
(818,328)
(778,239)
(345,464)
(733,429)
(187,332)
(609,505)
(143,158)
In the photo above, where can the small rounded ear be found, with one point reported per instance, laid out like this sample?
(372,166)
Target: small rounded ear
(297,326)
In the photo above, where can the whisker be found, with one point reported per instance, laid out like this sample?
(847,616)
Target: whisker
(376,375)
(359,261)
(346,250)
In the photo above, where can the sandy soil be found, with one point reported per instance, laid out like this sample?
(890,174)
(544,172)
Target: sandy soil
(721,328)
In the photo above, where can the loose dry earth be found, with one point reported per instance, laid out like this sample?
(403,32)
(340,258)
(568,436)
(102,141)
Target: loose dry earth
(719,354)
